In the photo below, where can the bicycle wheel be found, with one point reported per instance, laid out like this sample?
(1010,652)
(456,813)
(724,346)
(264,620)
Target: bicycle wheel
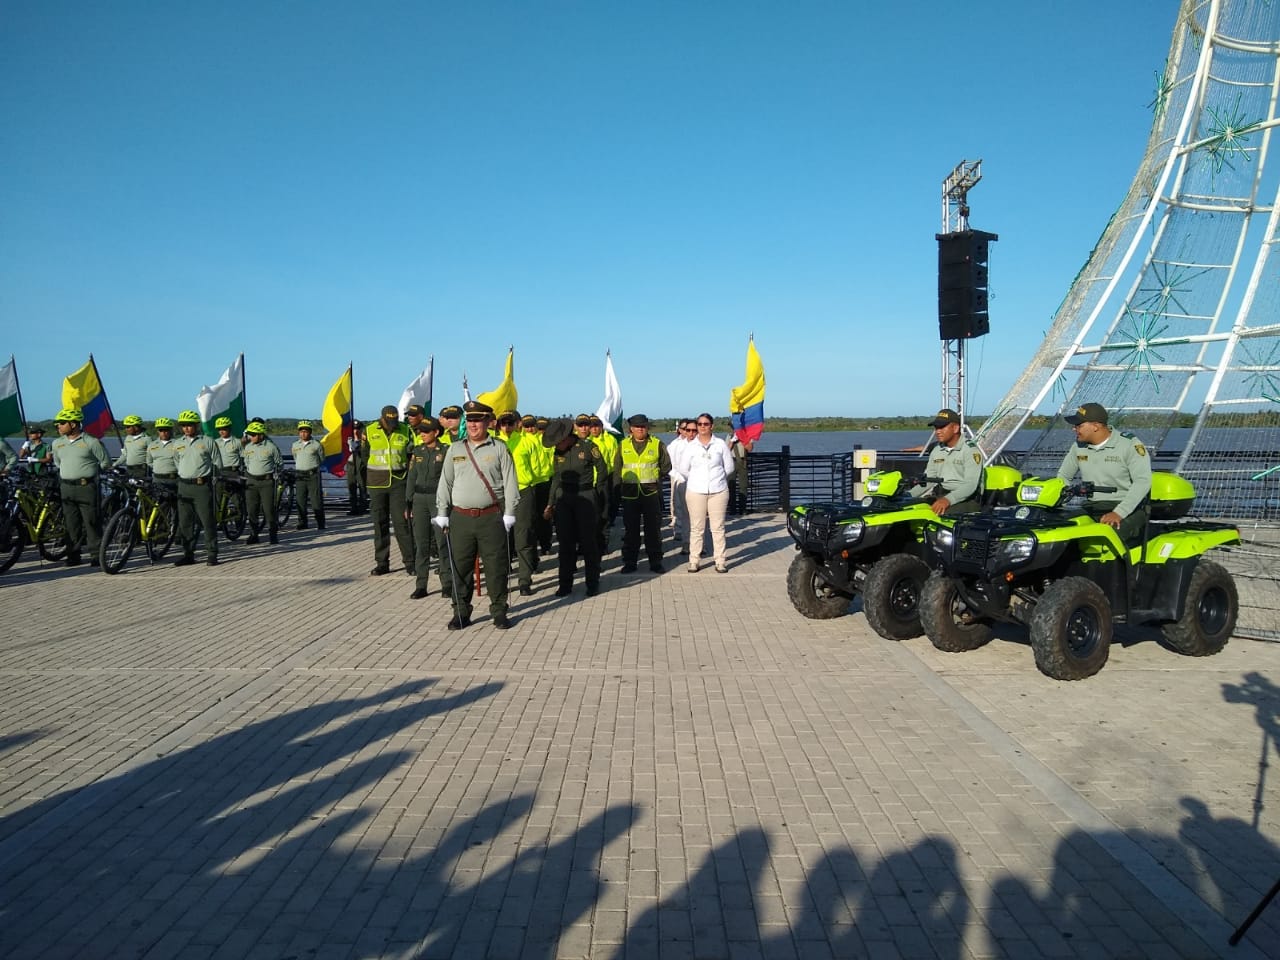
(233,516)
(52,537)
(13,537)
(164,527)
(118,541)
(284,509)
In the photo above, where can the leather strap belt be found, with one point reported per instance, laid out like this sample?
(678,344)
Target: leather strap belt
(304,473)
(165,476)
(194,481)
(83,482)
(470,512)
(259,477)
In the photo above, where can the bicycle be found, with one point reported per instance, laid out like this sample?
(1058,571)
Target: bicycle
(150,515)
(32,513)
(230,512)
(286,499)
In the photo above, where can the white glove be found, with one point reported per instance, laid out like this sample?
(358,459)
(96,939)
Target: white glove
(508,521)
(441,522)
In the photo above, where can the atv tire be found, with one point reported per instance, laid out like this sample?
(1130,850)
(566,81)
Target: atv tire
(891,596)
(1071,629)
(810,594)
(1208,613)
(945,620)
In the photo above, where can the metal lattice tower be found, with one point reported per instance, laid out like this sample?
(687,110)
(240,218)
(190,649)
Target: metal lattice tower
(1177,309)
(955,217)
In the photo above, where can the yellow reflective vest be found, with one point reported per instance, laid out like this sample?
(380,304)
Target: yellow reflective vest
(640,468)
(388,455)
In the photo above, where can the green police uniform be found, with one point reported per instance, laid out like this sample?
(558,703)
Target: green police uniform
(958,472)
(526,454)
(1120,462)
(8,456)
(133,455)
(578,496)
(199,458)
(78,461)
(421,486)
(475,518)
(162,458)
(232,455)
(387,465)
(262,464)
(638,475)
(308,458)
(34,454)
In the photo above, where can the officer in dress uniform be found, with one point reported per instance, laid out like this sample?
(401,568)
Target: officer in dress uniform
(133,452)
(387,446)
(475,507)
(199,459)
(954,473)
(1108,458)
(232,462)
(641,464)
(308,458)
(162,456)
(262,464)
(579,483)
(79,459)
(449,418)
(426,463)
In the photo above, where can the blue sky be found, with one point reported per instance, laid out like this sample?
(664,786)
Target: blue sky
(321,183)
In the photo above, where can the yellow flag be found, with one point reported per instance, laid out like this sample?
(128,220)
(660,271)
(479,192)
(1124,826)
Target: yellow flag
(504,396)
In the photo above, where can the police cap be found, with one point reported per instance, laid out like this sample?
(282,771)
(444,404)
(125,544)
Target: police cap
(944,417)
(1088,413)
(557,430)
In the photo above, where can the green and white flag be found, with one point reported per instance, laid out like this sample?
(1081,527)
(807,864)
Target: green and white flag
(610,409)
(10,401)
(224,399)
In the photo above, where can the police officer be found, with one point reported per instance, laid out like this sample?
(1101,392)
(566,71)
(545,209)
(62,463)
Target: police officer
(954,473)
(262,464)
(199,458)
(579,483)
(1118,461)
(639,468)
(476,507)
(37,454)
(79,459)
(449,418)
(308,458)
(162,455)
(542,461)
(357,495)
(133,452)
(527,452)
(8,459)
(426,463)
(387,445)
(414,414)
(232,461)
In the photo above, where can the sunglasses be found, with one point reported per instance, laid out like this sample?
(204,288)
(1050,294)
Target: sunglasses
(704,423)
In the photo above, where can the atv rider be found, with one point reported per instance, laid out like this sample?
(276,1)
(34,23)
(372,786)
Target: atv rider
(1108,458)
(955,469)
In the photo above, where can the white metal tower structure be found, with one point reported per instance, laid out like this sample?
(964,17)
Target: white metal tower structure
(955,217)
(1176,311)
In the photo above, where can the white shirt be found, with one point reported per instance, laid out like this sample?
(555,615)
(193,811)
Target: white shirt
(705,467)
(673,451)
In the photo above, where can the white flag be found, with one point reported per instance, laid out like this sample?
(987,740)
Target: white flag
(610,409)
(224,399)
(419,391)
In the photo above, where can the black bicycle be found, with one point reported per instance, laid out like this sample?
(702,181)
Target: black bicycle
(32,513)
(231,511)
(149,515)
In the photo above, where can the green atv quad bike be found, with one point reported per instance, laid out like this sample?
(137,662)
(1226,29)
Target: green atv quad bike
(1046,564)
(874,548)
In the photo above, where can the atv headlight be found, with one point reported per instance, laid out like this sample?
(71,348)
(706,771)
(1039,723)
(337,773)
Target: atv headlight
(798,524)
(940,538)
(1029,493)
(1015,551)
(851,533)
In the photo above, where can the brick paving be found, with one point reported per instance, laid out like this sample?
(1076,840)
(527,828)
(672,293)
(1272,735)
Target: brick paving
(282,757)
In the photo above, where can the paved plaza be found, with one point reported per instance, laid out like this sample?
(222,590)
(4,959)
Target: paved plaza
(285,758)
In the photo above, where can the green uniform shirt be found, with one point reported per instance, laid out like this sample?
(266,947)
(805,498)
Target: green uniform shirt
(308,454)
(461,486)
(232,458)
(133,452)
(580,470)
(7,454)
(35,453)
(426,463)
(82,458)
(1120,461)
(162,457)
(262,459)
(198,456)
(958,469)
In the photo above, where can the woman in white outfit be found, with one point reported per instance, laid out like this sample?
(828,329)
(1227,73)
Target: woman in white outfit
(705,465)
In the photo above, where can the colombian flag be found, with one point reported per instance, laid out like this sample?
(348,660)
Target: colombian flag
(504,396)
(746,403)
(83,389)
(337,423)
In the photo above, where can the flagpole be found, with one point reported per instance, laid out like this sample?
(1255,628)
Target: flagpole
(22,413)
(244,387)
(101,386)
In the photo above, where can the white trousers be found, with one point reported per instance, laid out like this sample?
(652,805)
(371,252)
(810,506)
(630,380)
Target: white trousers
(680,512)
(706,509)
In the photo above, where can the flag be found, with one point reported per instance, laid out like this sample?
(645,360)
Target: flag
(610,409)
(337,422)
(10,400)
(224,399)
(419,391)
(83,389)
(504,396)
(746,403)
